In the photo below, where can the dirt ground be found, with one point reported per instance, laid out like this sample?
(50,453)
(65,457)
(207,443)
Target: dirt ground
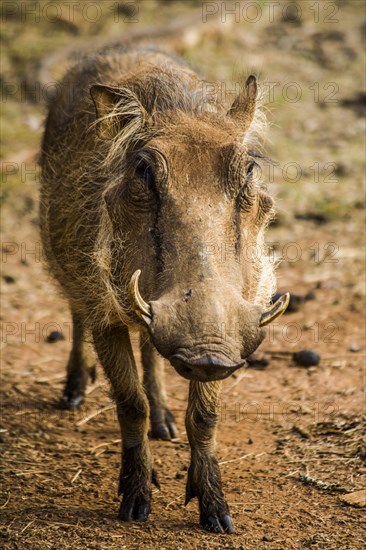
(291,440)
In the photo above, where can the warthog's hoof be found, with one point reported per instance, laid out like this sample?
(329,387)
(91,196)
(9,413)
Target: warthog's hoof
(134,487)
(73,395)
(134,506)
(214,511)
(71,402)
(218,523)
(163,427)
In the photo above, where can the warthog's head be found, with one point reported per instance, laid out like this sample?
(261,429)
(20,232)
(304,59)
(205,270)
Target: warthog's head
(188,215)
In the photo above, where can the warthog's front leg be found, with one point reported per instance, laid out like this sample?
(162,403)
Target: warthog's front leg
(161,418)
(204,479)
(114,349)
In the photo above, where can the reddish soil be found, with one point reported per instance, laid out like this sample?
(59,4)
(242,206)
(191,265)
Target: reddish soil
(276,424)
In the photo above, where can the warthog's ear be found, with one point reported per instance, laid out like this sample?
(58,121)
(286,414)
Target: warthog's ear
(116,108)
(243,108)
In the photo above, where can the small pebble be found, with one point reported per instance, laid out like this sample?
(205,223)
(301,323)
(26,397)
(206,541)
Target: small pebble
(55,336)
(310,295)
(306,358)
(258,360)
(355,348)
(295,302)
(8,279)
(179,475)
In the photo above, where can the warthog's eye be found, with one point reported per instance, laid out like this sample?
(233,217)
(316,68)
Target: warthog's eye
(248,176)
(249,173)
(246,197)
(149,172)
(144,171)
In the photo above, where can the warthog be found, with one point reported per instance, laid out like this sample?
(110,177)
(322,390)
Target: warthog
(141,175)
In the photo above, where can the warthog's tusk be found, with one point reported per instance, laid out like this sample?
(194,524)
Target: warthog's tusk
(276,310)
(140,307)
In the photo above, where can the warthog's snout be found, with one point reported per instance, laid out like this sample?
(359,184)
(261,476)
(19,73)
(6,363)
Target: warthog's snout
(205,367)
(210,337)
